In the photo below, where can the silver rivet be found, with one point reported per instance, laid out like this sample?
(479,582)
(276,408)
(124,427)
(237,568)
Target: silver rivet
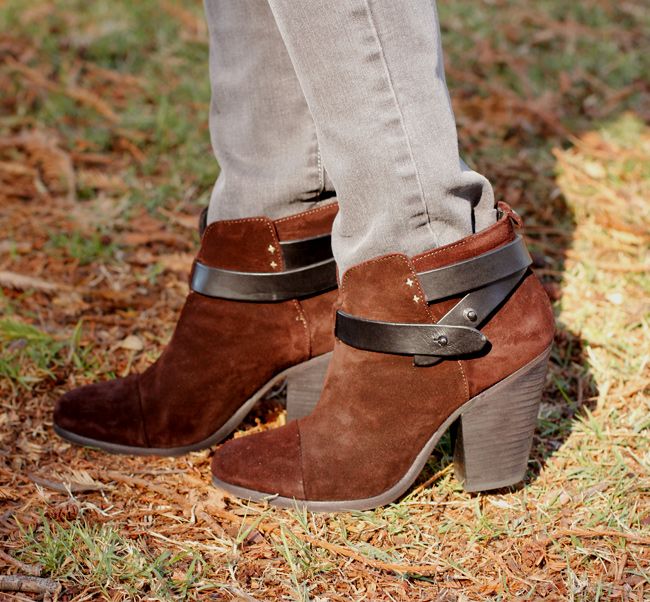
(470,314)
(442,340)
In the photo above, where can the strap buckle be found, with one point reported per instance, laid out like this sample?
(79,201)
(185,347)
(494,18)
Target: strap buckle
(489,278)
(438,340)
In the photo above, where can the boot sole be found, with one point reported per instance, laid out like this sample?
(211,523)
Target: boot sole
(228,427)
(517,396)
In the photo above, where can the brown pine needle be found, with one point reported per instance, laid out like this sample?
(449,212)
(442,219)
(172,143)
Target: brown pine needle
(432,479)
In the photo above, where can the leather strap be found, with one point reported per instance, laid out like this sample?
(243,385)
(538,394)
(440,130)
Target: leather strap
(310,269)
(296,253)
(407,339)
(475,308)
(476,272)
(264,286)
(489,277)
(305,251)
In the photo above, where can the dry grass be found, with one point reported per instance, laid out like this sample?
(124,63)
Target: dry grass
(104,163)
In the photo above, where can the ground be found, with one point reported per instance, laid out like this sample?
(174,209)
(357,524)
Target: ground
(105,164)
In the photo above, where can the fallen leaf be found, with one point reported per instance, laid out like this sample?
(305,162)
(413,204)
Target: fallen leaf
(22,282)
(176,262)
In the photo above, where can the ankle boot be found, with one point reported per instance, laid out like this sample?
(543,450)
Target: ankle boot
(454,338)
(260,310)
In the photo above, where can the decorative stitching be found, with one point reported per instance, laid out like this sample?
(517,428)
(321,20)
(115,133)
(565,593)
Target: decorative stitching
(266,219)
(435,319)
(243,220)
(308,212)
(464,241)
(238,221)
(405,260)
(444,248)
(274,238)
(426,306)
(464,377)
(375,260)
(303,318)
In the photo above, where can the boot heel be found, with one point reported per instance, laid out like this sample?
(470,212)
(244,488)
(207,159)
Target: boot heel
(304,386)
(494,436)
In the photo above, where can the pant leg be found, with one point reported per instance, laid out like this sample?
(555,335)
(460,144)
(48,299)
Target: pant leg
(373,75)
(262,131)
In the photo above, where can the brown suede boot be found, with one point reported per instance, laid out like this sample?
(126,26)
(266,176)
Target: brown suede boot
(260,310)
(410,362)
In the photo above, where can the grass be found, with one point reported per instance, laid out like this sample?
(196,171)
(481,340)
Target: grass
(104,163)
(29,355)
(74,551)
(86,249)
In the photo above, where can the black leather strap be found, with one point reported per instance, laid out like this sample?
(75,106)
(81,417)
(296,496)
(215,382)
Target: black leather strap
(306,251)
(296,253)
(310,269)
(475,308)
(264,286)
(408,339)
(489,277)
(476,272)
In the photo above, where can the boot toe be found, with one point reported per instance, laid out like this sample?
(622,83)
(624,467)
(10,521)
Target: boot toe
(266,463)
(107,412)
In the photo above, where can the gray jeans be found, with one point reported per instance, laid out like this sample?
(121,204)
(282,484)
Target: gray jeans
(312,96)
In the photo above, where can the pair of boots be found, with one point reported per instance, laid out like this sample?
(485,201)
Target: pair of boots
(377,371)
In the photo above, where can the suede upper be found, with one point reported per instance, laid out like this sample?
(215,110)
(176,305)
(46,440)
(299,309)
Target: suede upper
(221,351)
(378,410)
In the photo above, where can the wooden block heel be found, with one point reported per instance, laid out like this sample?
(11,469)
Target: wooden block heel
(304,386)
(493,436)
